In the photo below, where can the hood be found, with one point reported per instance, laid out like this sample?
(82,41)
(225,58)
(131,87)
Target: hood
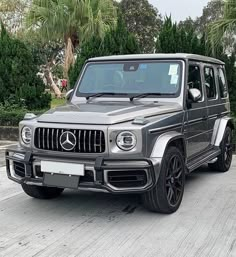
(106,113)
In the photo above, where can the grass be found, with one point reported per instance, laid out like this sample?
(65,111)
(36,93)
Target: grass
(57,102)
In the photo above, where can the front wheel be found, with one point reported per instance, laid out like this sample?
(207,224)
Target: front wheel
(167,195)
(224,160)
(42,192)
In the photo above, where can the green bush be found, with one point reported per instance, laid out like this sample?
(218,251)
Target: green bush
(19,83)
(11,118)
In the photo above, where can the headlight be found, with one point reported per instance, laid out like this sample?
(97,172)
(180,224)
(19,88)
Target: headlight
(26,134)
(126,140)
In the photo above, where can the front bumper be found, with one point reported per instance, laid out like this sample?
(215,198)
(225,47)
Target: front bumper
(111,175)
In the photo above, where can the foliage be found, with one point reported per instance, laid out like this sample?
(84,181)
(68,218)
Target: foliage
(211,13)
(224,25)
(179,38)
(19,83)
(116,41)
(143,21)
(71,22)
(13,117)
(12,13)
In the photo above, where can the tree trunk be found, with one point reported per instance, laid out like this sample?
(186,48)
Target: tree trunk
(51,83)
(69,57)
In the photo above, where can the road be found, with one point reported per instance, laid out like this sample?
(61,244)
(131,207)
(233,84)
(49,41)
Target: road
(100,225)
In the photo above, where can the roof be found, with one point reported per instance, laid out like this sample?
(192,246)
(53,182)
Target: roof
(158,56)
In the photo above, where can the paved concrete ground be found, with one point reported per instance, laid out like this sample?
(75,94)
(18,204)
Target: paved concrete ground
(90,224)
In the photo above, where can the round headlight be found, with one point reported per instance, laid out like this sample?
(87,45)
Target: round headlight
(126,140)
(26,134)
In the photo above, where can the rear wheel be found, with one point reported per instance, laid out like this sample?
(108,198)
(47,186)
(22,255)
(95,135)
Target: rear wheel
(224,160)
(42,192)
(167,195)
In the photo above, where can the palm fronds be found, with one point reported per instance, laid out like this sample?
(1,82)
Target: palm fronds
(227,23)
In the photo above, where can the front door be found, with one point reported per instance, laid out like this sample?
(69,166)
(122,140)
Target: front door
(196,129)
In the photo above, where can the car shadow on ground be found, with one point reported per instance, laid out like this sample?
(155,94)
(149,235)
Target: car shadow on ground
(110,206)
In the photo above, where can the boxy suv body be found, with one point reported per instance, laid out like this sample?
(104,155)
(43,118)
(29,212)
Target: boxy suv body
(133,124)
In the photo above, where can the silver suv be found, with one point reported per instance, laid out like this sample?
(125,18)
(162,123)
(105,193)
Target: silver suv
(133,124)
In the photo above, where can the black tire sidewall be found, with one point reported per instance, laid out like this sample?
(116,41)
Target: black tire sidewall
(221,159)
(162,179)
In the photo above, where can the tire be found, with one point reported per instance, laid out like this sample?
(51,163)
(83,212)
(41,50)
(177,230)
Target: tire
(42,192)
(224,160)
(167,194)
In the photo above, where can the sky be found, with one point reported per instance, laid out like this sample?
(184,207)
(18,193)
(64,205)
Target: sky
(180,9)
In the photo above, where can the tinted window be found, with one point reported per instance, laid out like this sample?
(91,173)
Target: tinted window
(131,78)
(222,83)
(194,77)
(210,82)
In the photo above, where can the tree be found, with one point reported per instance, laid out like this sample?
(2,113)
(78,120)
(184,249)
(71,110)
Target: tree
(179,38)
(211,13)
(19,84)
(71,22)
(143,21)
(116,41)
(12,13)
(224,25)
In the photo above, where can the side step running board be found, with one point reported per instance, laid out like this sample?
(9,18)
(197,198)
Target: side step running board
(199,161)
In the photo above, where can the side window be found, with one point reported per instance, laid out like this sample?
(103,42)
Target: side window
(210,82)
(222,83)
(194,77)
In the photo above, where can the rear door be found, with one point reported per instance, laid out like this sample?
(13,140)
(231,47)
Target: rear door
(197,126)
(212,96)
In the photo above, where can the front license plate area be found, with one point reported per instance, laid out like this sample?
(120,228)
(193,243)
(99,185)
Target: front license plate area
(62,168)
(64,181)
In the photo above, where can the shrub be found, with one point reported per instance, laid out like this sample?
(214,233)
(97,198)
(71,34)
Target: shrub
(19,83)
(11,118)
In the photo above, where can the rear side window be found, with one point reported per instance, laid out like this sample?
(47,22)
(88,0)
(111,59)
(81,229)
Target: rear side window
(222,83)
(210,82)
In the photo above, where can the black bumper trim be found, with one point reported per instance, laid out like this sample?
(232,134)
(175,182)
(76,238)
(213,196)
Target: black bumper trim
(100,166)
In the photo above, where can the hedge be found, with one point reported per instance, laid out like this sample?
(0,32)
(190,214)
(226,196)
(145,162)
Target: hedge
(12,118)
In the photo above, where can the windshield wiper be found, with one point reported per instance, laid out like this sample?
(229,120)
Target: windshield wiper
(103,94)
(148,94)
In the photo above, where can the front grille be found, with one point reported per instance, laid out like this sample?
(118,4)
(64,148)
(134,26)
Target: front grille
(19,169)
(87,141)
(129,178)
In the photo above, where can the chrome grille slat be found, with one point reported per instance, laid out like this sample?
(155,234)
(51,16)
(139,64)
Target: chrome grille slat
(79,140)
(48,145)
(57,140)
(52,139)
(100,142)
(39,144)
(90,132)
(87,141)
(95,143)
(43,138)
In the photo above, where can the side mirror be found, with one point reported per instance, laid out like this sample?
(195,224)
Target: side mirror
(69,94)
(195,94)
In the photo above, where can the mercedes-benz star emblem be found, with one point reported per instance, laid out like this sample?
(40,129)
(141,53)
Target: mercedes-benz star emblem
(68,141)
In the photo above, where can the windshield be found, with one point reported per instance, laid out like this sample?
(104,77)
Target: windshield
(132,78)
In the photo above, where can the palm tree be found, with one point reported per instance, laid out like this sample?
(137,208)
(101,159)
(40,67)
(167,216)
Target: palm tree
(224,25)
(71,22)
